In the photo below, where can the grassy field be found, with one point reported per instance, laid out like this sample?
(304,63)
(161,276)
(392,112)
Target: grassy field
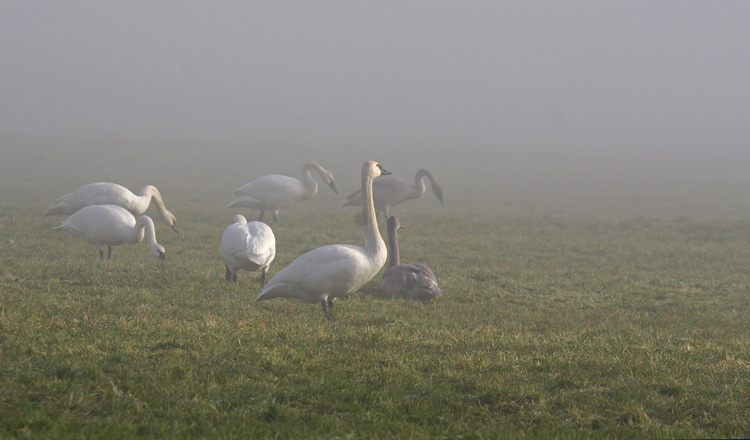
(624,319)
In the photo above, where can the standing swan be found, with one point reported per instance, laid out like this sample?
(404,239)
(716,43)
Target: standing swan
(274,192)
(337,269)
(249,246)
(104,193)
(411,281)
(112,225)
(392,192)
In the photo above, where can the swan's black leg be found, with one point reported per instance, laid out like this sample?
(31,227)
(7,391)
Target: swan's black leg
(330,303)
(228,275)
(101,252)
(325,307)
(263,277)
(109,252)
(262,211)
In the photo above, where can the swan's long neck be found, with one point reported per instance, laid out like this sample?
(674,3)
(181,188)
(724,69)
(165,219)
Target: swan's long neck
(374,244)
(149,193)
(145,222)
(308,181)
(419,181)
(393,257)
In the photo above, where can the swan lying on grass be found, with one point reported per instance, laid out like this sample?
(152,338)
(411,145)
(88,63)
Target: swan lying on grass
(411,281)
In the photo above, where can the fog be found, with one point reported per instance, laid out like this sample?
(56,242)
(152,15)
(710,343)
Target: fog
(544,106)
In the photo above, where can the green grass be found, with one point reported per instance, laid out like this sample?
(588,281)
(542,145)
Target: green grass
(551,326)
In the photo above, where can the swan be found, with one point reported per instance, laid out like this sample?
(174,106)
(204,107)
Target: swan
(392,192)
(274,192)
(337,269)
(112,225)
(105,193)
(249,246)
(411,281)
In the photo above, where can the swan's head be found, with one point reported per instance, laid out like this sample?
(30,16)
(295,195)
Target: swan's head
(171,221)
(394,223)
(373,169)
(328,178)
(158,251)
(239,218)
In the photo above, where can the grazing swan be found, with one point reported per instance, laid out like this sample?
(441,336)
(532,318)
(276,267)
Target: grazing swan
(249,246)
(112,225)
(392,192)
(104,193)
(411,281)
(337,269)
(274,192)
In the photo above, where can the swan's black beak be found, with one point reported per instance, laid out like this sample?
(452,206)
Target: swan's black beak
(333,186)
(383,171)
(162,255)
(174,227)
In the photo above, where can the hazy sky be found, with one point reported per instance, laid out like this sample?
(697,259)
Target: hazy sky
(668,75)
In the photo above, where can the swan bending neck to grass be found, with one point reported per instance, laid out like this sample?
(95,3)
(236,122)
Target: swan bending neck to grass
(105,193)
(334,270)
(274,192)
(248,246)
(392,192)
(411,281)
(111,225)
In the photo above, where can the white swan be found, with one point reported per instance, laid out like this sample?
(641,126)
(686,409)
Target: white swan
(105,193)
(392,192)
(112,225)
(337,269)
(249,246)
(411,281)
(274,192)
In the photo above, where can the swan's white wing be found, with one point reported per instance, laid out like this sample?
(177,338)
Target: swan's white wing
(330,270)
(234,240)
(261,243)
(391,192)
(102,224)
(99,193)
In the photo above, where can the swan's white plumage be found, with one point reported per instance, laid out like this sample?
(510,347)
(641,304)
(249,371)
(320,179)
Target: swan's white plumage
(337,269)
(411,281)
(105,193)
(247,246)
(274,192)
(394,191)
(111,225)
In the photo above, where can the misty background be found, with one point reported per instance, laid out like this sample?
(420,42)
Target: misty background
(614,108)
